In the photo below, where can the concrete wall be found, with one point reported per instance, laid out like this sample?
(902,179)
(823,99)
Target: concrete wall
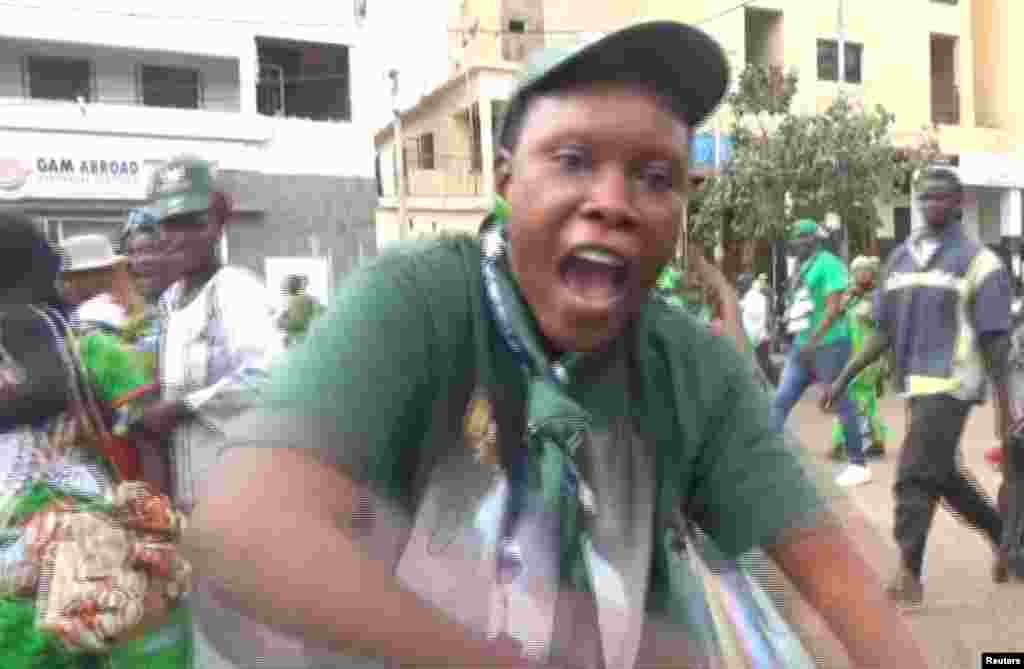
(895,61)
(446,113)
(123,31)
(426,224)
(115,72)
(999,98)
(565,22)
(280,213)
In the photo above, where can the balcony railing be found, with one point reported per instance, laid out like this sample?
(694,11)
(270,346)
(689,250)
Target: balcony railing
(945,104)
(453,176)
(130,119)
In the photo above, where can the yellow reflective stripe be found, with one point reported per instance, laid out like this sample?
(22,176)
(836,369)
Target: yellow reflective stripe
(984,264)
(930,385)
(932,279)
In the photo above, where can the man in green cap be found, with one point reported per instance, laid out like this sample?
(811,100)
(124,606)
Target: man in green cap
(217,341)
(480,457)
(821,340)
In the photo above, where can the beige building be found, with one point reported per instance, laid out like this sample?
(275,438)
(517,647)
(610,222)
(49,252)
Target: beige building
(943,64)
(446,166)
(940,63)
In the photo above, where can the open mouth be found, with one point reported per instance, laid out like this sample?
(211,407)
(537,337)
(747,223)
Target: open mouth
(596,276)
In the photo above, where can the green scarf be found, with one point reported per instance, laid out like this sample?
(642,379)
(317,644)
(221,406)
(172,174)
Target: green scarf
(557,427)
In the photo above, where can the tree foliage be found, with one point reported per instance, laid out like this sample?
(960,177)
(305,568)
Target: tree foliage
(787,165)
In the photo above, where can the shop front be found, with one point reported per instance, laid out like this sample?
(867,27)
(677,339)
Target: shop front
(74,194)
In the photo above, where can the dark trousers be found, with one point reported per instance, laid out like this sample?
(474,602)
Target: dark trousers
(929,471)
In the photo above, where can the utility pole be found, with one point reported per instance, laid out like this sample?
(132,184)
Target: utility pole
(399,156)
(841,43)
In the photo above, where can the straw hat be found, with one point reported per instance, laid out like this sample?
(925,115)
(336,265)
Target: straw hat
(87,252)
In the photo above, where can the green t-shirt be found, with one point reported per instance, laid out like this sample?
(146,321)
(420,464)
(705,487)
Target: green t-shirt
(113,368)
(823,275)
(388,374)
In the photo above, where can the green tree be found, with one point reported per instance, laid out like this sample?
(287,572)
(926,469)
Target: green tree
(787,165)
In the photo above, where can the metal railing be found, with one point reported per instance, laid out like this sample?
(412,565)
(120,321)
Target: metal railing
(453,175)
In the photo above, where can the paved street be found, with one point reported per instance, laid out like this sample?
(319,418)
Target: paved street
(965,614)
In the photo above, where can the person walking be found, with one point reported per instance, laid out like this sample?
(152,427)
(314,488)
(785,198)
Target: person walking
(217,340)
(528,420)
(866,389)
(943,307)
(821,340)
(300,310)
(755,310)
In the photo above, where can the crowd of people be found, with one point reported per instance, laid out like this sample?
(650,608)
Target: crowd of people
(170,343)
(502,449)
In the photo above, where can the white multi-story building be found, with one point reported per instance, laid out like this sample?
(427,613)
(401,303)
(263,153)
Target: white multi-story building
(283,98)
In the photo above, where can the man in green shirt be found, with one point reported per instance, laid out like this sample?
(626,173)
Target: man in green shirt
(301,309)
(821,340)
(481,457)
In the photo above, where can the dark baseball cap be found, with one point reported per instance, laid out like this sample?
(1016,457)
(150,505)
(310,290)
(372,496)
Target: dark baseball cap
(683,64)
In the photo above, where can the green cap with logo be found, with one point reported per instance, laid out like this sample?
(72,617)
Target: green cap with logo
(685,66)
(182,186)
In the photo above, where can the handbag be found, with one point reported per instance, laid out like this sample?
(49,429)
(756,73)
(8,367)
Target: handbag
(85,425)
(108,570)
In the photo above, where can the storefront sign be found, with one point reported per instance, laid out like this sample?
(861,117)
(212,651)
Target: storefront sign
(59,177)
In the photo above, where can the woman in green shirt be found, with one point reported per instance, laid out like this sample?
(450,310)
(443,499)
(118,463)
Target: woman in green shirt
(865,389)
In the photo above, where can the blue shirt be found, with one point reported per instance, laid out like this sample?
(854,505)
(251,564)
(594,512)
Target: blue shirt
(934,313)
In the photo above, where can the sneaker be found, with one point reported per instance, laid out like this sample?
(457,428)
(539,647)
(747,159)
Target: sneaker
(876,451)
(853,475)
(905,589)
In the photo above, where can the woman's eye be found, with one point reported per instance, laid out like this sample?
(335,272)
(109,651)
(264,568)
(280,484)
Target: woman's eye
(657,179)
(572,160)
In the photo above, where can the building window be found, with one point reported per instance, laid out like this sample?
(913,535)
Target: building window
(60,78)
(828,61)
(304,80)
(178,87)
(517,26)
(945,79)
(426,151)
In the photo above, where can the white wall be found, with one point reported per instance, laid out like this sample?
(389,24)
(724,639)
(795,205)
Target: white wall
(989,217)
(409,35)
(1010,210)
(115,71)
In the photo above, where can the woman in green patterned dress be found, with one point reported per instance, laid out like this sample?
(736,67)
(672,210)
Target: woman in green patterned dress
(866,388)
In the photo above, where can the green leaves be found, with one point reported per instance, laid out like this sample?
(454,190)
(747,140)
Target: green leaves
(842,161)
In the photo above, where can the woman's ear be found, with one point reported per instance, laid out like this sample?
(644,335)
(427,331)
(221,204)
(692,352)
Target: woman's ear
(502,170)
